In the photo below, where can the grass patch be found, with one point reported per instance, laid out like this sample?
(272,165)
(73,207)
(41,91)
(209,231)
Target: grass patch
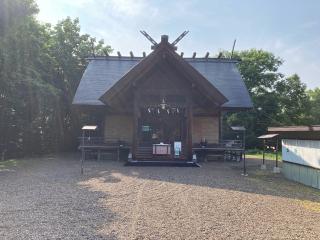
(265,176)
(8,164)
(308,197)
(254,153)
(310,205)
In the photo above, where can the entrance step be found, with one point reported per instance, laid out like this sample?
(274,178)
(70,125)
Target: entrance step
(171,163)
(145,153)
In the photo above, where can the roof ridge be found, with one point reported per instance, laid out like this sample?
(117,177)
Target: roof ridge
(200,59)
(100,75)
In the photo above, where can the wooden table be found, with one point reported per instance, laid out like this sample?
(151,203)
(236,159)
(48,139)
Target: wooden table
(204,151)
(101,148)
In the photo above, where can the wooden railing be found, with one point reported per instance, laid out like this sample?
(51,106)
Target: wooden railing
(100,141)
(221,144)
(226,149)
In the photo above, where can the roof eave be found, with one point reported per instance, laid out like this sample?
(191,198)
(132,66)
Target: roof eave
(205,83)
(122,82)
(138,70)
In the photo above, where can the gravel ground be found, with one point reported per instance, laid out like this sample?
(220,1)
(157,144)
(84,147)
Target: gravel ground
(46,198)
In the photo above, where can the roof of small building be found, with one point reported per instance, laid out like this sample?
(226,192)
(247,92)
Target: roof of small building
(310,128)
(103,72)
(268,136)
(297,132)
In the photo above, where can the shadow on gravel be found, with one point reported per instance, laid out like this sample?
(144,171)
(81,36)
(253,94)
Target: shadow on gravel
(48,198)
(221,175)
(45,200)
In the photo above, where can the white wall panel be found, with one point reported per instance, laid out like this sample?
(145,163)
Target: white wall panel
(304,152)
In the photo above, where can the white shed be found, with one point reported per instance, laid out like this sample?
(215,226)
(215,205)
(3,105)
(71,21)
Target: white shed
(300,153)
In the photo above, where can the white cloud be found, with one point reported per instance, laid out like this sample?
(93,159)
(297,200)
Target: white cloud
(129,7)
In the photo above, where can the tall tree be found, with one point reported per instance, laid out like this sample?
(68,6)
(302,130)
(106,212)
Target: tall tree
(293,101)
(20,80)
(259,70)
(40,67)
(314,96)
(277,100)
(70,48)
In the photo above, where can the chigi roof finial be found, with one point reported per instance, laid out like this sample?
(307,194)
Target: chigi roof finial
(144,33)
(164,39)
(182,35)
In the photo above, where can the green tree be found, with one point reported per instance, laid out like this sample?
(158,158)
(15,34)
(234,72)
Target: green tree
(70,49)
(314,96)
(21,77)
(15,12)
(259,69)
(277,100)
(294,103)
(40,68)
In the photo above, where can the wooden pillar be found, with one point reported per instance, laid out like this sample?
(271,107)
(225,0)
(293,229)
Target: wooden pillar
(264,150)
(135,125)
(220,126)
(277,147)
(83,154)
(102,125)
(189,129)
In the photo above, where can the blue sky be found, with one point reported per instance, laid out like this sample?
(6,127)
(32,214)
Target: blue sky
(288,28)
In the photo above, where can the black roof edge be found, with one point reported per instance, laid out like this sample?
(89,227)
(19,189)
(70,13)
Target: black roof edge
(235,109)
(295,128)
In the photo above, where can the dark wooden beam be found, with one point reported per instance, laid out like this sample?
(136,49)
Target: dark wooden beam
(194,55)
(181,92)
(144,54)
(206,114)
(131,54)
(220,125)
(135,124)
(189,129)
(119,54)
(207,55)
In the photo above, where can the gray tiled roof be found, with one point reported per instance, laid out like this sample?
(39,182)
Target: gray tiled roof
(225,76)
(102,73)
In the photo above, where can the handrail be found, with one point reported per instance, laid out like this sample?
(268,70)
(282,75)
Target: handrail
(222,144)
(91,141)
